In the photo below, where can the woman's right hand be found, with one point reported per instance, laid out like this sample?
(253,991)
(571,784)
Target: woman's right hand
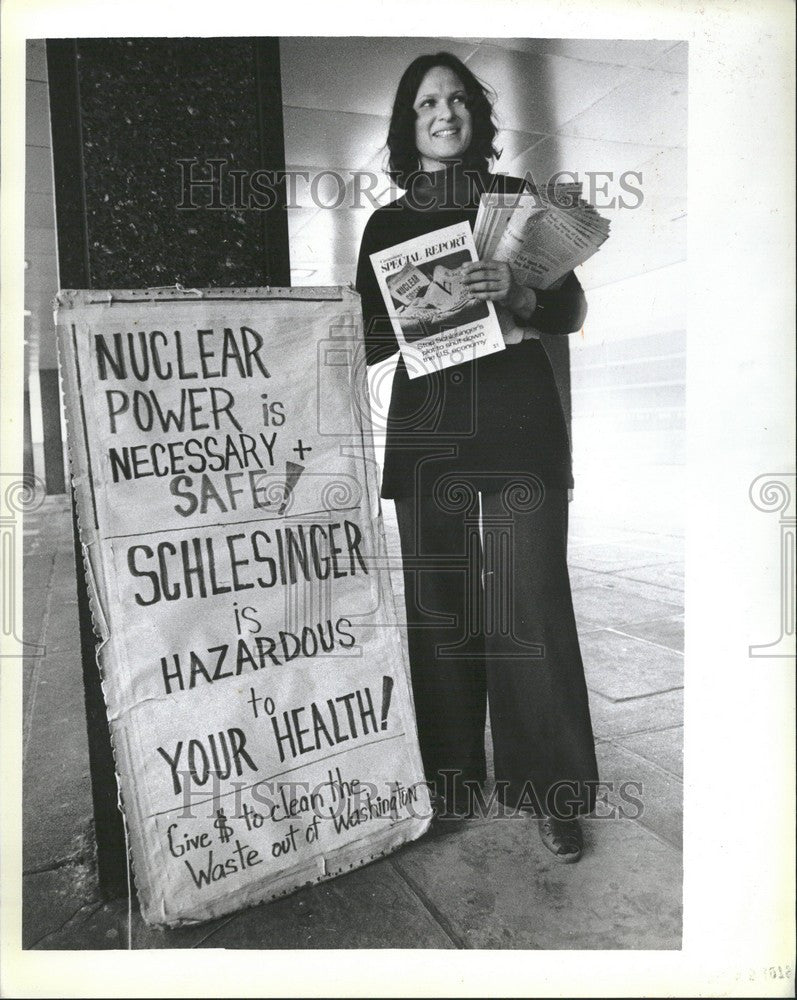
(493,280)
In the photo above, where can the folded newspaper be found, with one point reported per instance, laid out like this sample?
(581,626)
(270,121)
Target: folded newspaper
(542,234)
(437,324)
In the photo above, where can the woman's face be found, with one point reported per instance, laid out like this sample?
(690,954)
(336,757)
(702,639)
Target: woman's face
(444,126)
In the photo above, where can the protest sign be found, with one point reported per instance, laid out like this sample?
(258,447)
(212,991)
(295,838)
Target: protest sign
(252,665)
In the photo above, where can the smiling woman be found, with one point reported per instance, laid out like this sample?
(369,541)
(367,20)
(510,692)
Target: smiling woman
(477,460)
(439,94)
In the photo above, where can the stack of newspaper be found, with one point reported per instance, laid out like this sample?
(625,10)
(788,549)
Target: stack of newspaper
(541,234)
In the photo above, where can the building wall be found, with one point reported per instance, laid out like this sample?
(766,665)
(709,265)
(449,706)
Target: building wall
(41,278)
(572,105)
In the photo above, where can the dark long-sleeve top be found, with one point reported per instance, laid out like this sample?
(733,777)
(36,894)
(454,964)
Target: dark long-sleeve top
(485,422)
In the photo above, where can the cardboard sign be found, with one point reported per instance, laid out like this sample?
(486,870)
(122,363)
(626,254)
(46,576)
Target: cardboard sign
(252,664)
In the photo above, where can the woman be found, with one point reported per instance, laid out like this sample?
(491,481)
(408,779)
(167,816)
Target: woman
(482,443)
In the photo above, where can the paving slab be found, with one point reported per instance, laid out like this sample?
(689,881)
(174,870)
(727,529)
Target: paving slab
(37,576)
(29,667)
(39,557)
(614,606)
(638,588)
(610,556)
(665,575)
(372,907)
(498,887)
(57,806)
(587,531)
(667,632)
(51,899)
(56,788)
(655,591)
(62,631)
(580,578)
(661,793)
(664,747)
(58,823)
(109,926)
(619,718)
(620,667)
(64,585)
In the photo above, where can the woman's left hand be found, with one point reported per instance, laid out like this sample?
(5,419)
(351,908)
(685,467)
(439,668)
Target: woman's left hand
(493,280)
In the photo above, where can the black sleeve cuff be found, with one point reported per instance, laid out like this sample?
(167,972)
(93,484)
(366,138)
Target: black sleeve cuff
(560,310)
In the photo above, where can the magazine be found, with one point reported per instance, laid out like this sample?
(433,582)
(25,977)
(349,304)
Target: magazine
(436,322)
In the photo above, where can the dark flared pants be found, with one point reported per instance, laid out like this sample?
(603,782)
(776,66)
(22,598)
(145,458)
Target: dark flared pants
(490,621)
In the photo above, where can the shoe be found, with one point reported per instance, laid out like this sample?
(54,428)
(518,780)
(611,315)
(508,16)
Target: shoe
(445,817)
(563,838)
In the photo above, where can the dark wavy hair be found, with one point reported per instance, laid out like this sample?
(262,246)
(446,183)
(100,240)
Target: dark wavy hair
(403,153)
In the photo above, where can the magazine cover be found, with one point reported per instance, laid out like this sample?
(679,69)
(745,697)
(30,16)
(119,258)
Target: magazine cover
(436,322)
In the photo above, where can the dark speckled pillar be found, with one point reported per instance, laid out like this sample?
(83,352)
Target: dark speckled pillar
(124,113)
